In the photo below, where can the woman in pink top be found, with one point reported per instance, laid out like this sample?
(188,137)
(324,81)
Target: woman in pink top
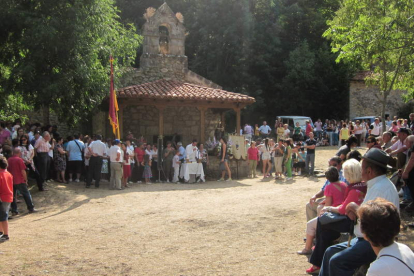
(327,233)
(253,156)
(334,196)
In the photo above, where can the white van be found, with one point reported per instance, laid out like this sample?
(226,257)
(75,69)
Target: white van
(292,120)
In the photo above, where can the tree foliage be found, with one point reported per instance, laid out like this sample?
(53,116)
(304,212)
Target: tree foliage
(379,35)
(257,47)
(56,53)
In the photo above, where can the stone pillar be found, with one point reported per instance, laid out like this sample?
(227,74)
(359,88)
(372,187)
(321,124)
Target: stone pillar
(202,124)
(238,122)
(160,120)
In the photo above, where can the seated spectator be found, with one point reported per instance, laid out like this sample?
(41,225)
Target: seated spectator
(380,225)
(386,140)
(314,204)
(327,233)
(372,143)
(334,196)
(351,143)
(342,259)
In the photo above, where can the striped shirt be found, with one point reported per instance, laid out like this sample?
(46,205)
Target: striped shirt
(42,145)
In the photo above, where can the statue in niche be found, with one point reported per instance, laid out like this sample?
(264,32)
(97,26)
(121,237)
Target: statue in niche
(164,40)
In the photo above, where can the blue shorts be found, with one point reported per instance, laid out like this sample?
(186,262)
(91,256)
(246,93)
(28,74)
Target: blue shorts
(4,211)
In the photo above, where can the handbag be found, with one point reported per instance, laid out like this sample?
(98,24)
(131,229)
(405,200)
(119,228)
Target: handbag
(329,217)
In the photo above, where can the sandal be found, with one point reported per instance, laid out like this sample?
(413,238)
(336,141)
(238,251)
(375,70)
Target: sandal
(313,270)
(304,252)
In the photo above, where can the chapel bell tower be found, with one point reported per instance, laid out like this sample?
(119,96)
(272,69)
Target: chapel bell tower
(164,40)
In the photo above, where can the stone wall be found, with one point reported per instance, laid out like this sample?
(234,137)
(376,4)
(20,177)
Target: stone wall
(36,116)
(213,172)
(185,121)
(362,101)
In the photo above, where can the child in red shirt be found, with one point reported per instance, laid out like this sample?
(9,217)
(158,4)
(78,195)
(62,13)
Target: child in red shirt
(252,158)
(6,198)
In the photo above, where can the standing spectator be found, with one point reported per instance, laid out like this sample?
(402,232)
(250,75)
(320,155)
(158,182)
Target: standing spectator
(42,147)
(116,159)
(412,122)
(393,127)
(297,131)
(253,156)
(388,122)
(126,166)
(27,151)
(147,175)
(60,160)
(265,130)
(308,129)
(279,154)
(288,159)
(6,198)
(380,225)
(286,132)
(256,131)
(358,132)
(18,171)
(176,165)
(154,165)
(265,154)
(203,156)
(168,157)
(131,149)
(75,149)
(139,158)
(224,166)
(344,134)
(310,145)
(318,129)
(4,133)
(248,131)
(408,174)
(280,130)
(375,128)
(98,150)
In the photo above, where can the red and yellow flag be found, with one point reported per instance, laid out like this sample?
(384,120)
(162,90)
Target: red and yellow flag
(113,104)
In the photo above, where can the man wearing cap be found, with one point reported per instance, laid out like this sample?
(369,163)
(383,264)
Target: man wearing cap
(340,259)
(116,159)
(399,149)
(97,150)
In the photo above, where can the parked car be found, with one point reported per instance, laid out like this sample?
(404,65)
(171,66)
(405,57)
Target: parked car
(292,120)
(370,118)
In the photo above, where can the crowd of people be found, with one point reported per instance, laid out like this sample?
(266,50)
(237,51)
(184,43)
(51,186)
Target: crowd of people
(356,183)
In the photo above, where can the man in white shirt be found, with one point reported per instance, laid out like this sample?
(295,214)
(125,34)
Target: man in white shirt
(375,128)
(98,151)
(340,259)
(399,149)
(191,151)
(131,148)
(116,159)
(265,130)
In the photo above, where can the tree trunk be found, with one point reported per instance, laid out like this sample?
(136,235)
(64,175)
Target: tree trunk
(384,101)
(46,115)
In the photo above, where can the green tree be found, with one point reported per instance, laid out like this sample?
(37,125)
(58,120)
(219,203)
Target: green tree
(380,36)
(57,52)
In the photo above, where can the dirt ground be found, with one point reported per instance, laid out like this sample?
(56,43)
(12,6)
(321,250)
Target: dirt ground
(246,227)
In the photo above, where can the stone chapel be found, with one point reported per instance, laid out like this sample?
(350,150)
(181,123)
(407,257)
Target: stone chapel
(163,97)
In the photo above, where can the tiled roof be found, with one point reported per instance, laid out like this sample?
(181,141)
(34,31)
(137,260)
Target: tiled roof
(176,90)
